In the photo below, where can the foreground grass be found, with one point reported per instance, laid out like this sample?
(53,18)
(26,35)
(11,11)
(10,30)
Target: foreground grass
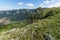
(10,26)
(45,29)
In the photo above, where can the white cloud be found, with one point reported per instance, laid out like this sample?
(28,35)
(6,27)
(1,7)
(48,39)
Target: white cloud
(55,5)
(50,3)
(4,8)
(20,3)
(30,5)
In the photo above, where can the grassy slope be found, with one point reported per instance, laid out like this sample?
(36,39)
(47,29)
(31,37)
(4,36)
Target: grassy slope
(17,24)
(50,27)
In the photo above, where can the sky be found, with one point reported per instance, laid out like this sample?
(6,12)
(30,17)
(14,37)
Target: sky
(27,4)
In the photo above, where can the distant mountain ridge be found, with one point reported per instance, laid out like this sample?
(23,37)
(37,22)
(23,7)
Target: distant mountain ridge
(16,15)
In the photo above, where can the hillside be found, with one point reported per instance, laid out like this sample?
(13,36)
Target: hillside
(46,27)
(16,15)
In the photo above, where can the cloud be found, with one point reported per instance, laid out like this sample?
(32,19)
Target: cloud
(30,5)
(4,8)
(20,3)
(50,3)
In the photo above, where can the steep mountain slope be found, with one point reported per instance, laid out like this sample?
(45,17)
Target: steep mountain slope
(44,29)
